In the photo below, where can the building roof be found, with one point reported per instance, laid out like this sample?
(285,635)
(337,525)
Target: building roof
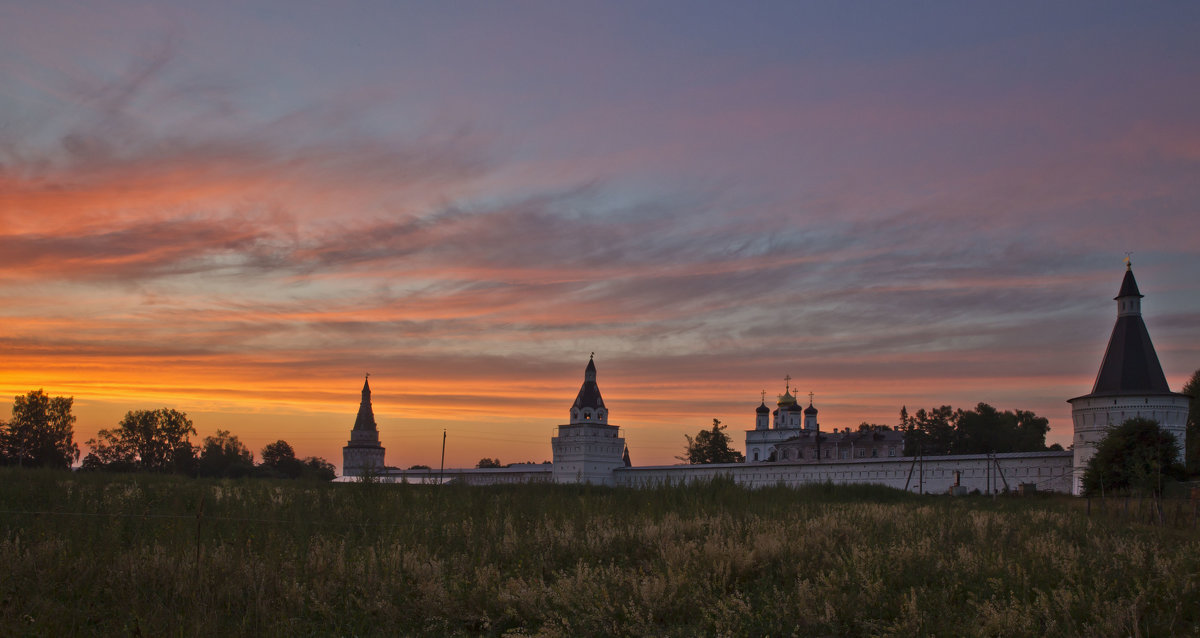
(366,416)
(762,408)
(1130,364)
(589,392)
(1128,284)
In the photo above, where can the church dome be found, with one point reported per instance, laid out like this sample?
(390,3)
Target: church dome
(787,399)
(763,409)
(810,409)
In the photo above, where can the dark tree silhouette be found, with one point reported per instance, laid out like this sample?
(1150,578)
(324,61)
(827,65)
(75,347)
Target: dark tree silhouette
(279,461)
(41,432)
(146,440)
(982,430)
(1136,456)
(710,446)
(1192,447)
(318,468)
(488,463)
(223,455)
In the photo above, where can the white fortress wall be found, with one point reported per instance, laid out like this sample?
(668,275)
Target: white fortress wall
(1049,471)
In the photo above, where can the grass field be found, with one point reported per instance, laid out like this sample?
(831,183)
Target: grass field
(166,556)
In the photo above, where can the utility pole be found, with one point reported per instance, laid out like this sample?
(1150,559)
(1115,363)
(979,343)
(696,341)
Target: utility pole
(442,467)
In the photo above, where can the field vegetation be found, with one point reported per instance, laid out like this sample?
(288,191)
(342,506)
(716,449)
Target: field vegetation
(161,555)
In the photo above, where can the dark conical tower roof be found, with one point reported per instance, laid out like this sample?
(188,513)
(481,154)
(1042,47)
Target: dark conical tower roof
(1129,285)
(366,416)
(589,392)
(1130,363)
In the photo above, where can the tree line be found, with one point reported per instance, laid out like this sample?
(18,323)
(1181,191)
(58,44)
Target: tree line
(981,430)
(41,433)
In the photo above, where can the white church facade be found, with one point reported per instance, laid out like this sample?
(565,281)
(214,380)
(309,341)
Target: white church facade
(788,447)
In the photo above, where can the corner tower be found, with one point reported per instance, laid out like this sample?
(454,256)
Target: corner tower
(588,449)
(362,451)
(1130,384)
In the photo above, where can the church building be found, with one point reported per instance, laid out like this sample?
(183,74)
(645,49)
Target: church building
(1130,384)
(792,434)
(788,421)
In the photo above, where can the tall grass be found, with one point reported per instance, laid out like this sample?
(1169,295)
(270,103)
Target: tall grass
(150,555)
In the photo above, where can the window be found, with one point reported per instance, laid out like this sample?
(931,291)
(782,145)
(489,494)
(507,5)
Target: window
(862,453)
(828,453)
(874,453)
(892,450)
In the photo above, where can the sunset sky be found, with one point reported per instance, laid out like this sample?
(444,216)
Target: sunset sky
(237,209)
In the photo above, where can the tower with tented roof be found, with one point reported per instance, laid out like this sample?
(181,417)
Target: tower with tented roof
(588,449)
(1130,384)
(363,454)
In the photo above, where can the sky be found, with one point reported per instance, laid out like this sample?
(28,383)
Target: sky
(238,210)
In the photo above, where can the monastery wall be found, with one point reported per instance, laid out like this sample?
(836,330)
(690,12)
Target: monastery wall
(473,476)
(1049,471)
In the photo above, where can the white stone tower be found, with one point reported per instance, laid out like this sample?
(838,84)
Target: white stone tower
(1130,384)
(588,449)
(363,452)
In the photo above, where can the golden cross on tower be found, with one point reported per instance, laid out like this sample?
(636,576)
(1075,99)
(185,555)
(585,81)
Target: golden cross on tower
(1128,263)
(787,384)
(810,396)
(764,396)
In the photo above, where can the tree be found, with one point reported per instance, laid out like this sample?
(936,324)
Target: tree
(1192,439)
(279,460)
(147,440)
(41,432)
(929,432)
(982,430)
(1135,456)
(710,446)
(223,455)
(317,468)
(485,462)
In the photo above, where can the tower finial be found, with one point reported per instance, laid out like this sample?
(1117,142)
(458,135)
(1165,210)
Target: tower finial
(787,384)
(764,397)
(592,357)
(1128,262)
(810,397)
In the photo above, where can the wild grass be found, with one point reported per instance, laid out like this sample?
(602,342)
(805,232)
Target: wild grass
(129,555)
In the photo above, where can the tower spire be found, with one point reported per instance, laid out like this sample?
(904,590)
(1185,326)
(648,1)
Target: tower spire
(589,405)
(1130,363)
(366,415)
